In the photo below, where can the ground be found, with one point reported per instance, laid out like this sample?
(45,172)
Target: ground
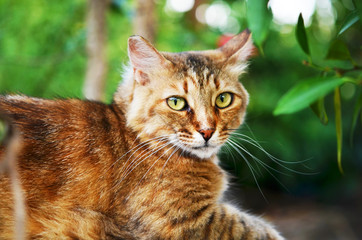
(301,218)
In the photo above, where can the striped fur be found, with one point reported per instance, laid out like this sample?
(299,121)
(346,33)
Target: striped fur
(134,169)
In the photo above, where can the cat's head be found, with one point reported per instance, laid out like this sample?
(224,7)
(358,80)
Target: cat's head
(191,100)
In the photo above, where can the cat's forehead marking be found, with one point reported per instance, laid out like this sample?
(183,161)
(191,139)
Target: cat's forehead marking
(185,87)
(196,70)
(201,69)
(196,62)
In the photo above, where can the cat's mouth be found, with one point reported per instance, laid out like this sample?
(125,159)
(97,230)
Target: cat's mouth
(204,151)
(197,146)
(205,146)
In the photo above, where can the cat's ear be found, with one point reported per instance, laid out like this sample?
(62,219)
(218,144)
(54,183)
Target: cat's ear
(144,58)
(237,51)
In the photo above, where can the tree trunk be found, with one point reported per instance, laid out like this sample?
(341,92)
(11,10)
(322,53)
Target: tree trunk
(145,20)
(94,86)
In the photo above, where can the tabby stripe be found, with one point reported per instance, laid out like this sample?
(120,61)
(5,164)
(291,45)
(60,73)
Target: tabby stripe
(222,218)
(201,198)
(206,177)
(222,214)
(208,75)
(185,87)
(189,76)
(246,230)
(231,228)
(222,224)
(72,236)
(197,214)
(151,111)
(208,225)
(223,231)
(114,109)
(216,82)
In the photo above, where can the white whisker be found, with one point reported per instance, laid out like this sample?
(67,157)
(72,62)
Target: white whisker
(257,159)
(172,146)
(138,147)
(249,140)
(137,161)
(265,166)
(178,147)
(248,164)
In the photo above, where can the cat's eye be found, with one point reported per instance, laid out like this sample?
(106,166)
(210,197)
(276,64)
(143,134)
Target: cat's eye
(224,100)
(177,103)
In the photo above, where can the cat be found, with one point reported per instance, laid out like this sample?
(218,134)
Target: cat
(142,167)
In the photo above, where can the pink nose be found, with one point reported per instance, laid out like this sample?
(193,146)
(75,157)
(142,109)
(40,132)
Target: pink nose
(206,133)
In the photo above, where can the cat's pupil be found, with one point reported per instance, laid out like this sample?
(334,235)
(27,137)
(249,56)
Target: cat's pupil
(222,98)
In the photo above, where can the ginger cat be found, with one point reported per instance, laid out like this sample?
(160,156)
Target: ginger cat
(142,167)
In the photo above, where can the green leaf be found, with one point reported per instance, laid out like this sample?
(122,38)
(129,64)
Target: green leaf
(319,109)
(358,5)
(338,51)
(302,35)
(338,64)
(351,19)
(307,92)
(339,133)
(259,17)
(356,113)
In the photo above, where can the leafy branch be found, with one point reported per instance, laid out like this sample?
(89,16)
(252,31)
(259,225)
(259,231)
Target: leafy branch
(312,92)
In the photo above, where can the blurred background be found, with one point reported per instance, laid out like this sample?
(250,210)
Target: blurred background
(63,49)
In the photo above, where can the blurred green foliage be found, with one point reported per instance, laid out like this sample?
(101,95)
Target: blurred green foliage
(42,53)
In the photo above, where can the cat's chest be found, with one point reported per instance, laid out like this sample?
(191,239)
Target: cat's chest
(179,184)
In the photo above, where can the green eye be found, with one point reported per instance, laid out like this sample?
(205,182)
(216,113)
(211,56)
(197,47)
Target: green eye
(176,103)
(224,100)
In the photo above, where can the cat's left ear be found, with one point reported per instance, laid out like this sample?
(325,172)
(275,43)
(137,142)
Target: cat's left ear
(237,51)
(145,59)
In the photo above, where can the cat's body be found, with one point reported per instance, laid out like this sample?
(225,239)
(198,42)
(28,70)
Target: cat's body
(143,167)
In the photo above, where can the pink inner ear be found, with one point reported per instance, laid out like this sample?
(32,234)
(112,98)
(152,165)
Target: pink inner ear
(143,55)
(141,77)
(239,48)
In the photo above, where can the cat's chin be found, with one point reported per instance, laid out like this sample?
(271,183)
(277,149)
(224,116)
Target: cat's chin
(203,152)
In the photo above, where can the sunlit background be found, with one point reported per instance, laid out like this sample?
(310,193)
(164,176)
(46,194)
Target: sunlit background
(285,12)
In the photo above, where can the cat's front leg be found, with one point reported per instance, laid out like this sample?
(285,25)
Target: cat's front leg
(227,222)
(201,220)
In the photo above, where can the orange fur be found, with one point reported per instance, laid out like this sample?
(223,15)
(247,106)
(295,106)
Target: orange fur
(134,169)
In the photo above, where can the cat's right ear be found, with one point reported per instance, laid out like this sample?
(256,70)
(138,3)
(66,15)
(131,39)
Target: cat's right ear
(237,51)
(145,59)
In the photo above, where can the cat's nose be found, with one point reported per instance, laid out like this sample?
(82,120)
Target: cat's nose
(207,133)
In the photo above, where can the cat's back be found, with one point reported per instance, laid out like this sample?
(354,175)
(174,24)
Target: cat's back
(61,138)
(64,130)
(66,148)
(60,120)
(30,114)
